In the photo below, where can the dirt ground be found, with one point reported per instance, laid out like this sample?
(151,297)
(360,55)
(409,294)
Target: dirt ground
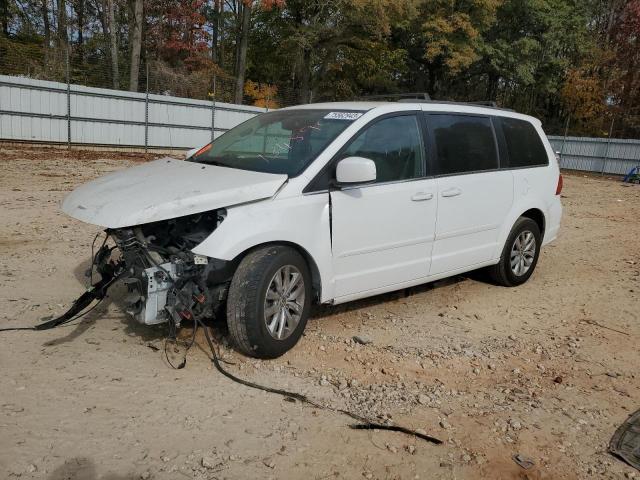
(547,370)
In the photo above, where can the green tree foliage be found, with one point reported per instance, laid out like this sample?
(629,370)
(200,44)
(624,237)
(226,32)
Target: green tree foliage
(576,60)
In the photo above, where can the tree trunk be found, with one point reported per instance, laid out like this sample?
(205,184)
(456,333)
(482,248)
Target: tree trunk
(113,43)
(79,8)
(44,8)
(221,28)
(305,77)
(136,42)
(102,16)
(215,27)
(492,86)
(63,38)
(238,34)
(242,52)
(4,16)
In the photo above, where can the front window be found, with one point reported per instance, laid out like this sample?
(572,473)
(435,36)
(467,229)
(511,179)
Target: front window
(395,146)
(284,141)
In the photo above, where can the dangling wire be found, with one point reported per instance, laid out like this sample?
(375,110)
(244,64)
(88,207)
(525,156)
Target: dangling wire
(172,338)
(365,423)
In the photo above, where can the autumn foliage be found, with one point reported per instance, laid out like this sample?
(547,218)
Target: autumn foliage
(567,62)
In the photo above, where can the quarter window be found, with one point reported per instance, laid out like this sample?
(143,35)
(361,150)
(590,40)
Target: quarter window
(394,144)
(464,143)
(524,147)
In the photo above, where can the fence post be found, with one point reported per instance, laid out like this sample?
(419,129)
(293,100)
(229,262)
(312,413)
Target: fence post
(564,139)
(606,152)
(67,68)
(146,111)
(213,110)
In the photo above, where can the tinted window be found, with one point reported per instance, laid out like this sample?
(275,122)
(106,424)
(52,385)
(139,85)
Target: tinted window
(394,144)
(464,143)
(524,147)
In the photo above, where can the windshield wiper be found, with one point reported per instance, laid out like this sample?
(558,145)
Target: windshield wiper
(217,161)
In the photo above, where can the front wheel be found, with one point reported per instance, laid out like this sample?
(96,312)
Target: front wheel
(519,255)
(269,301)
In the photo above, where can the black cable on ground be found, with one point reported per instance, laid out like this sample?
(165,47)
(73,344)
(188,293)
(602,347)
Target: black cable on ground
(365,424)
(13,329)
(40,326)
(101,288)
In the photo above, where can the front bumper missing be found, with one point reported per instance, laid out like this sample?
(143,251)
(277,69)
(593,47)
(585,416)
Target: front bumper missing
(147,296)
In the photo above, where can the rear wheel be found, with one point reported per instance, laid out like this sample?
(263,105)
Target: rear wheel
(519,255)
(269,301)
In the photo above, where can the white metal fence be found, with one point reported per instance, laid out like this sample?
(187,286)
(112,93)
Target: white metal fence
(53,112)
(601,155)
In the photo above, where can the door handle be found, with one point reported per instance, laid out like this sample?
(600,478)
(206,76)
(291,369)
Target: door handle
(452,192)
(422,196)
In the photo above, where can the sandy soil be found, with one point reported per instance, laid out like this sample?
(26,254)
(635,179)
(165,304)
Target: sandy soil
(547,370)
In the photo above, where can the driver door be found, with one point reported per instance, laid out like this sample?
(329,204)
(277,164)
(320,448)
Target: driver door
(383,232)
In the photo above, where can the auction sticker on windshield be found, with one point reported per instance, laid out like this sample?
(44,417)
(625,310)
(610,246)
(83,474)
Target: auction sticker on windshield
(342,116)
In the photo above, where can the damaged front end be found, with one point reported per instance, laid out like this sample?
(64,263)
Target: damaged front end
(165,280)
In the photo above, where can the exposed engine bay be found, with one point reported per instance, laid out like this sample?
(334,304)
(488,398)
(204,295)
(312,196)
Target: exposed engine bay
(166,281)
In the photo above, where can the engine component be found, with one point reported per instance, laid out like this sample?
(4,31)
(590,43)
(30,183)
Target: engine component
(165,280)
(147,296)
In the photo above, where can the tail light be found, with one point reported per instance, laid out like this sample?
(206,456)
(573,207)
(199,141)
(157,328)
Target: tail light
(559,187)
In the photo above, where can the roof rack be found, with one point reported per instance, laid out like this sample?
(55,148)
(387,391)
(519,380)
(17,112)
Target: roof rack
(423,97)
(398,96)
(483,103)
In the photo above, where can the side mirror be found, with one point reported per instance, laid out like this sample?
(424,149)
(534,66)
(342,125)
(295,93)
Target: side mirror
(355,170)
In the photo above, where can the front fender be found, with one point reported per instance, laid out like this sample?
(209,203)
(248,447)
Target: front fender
(300,220)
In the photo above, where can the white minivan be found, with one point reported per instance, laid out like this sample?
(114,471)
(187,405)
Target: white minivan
(325,203)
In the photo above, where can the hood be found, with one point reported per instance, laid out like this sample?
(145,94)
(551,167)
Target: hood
(165,189)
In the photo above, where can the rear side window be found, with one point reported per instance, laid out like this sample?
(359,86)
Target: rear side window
(464,143)
(524,146)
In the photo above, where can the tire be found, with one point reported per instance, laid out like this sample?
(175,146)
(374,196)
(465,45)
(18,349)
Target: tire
(502,273)
(255,288)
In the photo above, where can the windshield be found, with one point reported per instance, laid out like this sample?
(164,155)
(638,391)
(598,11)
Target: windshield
(284,141)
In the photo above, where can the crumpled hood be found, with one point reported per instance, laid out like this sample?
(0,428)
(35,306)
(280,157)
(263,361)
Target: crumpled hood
(165,189)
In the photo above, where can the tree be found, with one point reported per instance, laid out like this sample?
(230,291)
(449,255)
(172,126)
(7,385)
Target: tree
(262,95)
(44,9)
(63,35)
(4,17)
(136,10)
(243,42)
(584,98)
(549,58)
(176,32)
(625,44)
(113,43)
(215,15)
(326,49)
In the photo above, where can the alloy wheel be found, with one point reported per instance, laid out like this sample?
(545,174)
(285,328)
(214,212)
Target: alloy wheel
(284,302)
(523,253)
